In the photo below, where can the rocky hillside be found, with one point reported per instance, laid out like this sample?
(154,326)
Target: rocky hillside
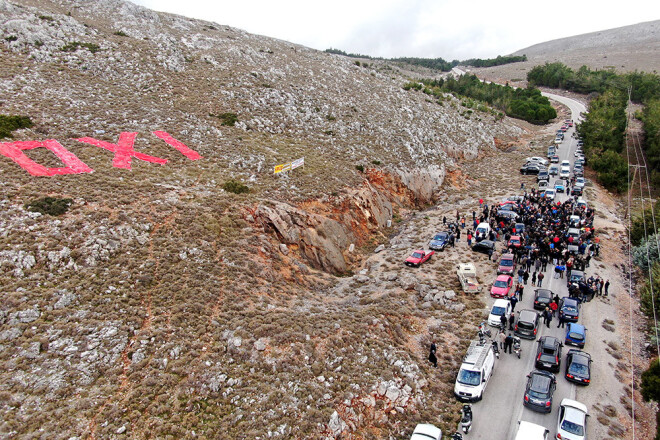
(625,49)
(162,305)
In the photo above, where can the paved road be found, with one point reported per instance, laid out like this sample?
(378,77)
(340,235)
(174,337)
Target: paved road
(496,416)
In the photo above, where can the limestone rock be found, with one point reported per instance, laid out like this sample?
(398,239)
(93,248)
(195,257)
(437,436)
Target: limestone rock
(260,344)
(379,248)
(450,294)
(284,249)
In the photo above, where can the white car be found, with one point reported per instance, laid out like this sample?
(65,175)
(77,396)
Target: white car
(500,307)
(425,431)
(537,159)
(580,181)
(565,163)
(572,420)
(565,172)
(550,194)
(558,140)
(543,185)
(578,152)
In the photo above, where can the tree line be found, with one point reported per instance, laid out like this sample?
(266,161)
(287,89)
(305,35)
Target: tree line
(437,63)
(527,104)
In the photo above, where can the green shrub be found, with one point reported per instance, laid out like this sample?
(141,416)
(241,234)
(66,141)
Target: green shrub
(46,18)
(9,123)
(228,119)
(235,187)
(121,34)
(376,162)
(11,38)
(360,168)
(49,205)
(75,45)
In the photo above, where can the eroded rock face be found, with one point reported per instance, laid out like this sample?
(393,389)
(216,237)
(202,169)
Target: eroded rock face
(424,182)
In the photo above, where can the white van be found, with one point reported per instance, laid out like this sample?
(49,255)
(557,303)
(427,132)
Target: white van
(475,372)
(483,229)
(531,431)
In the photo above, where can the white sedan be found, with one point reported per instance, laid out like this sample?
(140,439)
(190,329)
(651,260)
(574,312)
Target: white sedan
(424,431)
(565,172)
(572,422)
(550,194)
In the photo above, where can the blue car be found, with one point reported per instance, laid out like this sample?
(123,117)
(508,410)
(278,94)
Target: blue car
(575,335)
(559,186)
(439,241)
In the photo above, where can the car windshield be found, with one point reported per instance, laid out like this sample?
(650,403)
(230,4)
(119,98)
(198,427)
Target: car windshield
(578,369)
(468,377)
(572,428)
(506,263)
(500,283)
(569,309)
(547,358)
(499,311)
(540,386)
(440,237)
(417,255)
(515,240)
(575,336)
(525,325)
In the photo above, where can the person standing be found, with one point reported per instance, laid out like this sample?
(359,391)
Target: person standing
(607,287)
(503,321)
(513,302)
(534,279)
(469,238)
(562,322)
(432,357)
(508,342)
(521,272)
(444,220)
(548,317)
(519,292)
(541,276)
(544,263)
(458,234)
(501,336)
(525,277)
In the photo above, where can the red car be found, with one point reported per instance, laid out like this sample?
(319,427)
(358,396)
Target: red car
(515,241)
(418,257)
(507,265)
(502,287)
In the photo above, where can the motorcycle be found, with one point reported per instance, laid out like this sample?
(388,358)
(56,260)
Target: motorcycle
(516,346)
(457,436)
(466,418)
(496,349)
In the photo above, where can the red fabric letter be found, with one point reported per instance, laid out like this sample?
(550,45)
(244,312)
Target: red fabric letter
(123,150)
(14,151)
(183,149)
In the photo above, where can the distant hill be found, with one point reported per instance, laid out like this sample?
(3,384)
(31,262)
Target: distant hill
(628,48)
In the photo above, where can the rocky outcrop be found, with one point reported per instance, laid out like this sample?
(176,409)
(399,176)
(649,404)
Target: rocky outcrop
(424,182)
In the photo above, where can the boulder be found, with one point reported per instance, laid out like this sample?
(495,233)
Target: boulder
(336,424)
(284,249)
(380,248)
(450,294)
(392,393)
(260,344)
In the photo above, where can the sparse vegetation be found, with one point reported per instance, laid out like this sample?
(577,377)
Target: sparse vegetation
(10,123)
(49,206)
(497,61)
(120,34)
(235,187)
(360,168)
(11,38)
(228,119)
(75,45)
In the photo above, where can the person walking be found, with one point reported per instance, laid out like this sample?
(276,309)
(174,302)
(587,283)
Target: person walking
(521,272)
(513,300)
(432,357)
(503,321)
(607,287)
(469,239)
(525,277)
(548,317)
(562,322)
(553,307)
(519,292)
(508,343)
(458,234)
(534,279)
(540,278)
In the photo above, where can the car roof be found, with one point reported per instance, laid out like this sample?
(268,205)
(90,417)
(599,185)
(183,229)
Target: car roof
(517,237)
(549,341)
(503,278)
(574,405)
(426,430)
(574,326)
(579,353)
(528,314)
(547,292)
(501,302)
(569,301)
(507,256)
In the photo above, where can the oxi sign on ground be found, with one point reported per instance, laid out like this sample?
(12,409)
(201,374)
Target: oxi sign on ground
(123,150)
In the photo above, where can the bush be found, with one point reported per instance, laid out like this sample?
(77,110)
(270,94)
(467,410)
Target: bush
(49,205)
(648,297)
(646,254)
(75,45)
(121,34)
(235,187)
(228,119)
(360,168)
(9,123)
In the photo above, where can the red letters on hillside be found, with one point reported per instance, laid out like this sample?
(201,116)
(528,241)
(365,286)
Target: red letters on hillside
(123,150)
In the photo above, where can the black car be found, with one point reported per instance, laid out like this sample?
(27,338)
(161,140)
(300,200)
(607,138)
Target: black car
(527,325)
(484,246)
(576,191)
(569,309)
(542,175)
(530,169)
(542,298)
(548,354)
(578,367)
(439,241)
(539,390)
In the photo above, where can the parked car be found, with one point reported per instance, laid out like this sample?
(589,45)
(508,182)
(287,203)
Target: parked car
(558,140)
(439,241)
(572,420)
(507,264)
(542,175)
(578,367)
(577,277)
(527,324)
(484,246)
(577,191)
(578,172)
(506,214)
(550,194)
(542,298)
(531,431)
(554,159)
(539,390)
(500,307)
(553,170)
(530,169)
(565,163)
(551,151)
(502,287)
(548,354)
(560,186)
(576,335)
(543,185)
(425,431)
(467,275)
(564,172)
(418,257)
(580,181)
(516,241)
(569,309)
(519,228)
(537,159)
